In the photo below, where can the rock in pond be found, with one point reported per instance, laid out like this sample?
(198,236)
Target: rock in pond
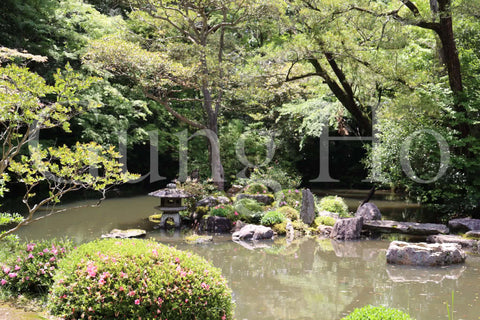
(467,244)
(347,229)
(425,254)
(198,239)
(253,232)
(262,198)
(307,212)
(464,224)
(215,224)
(129,233)
(389,226)
(368,211)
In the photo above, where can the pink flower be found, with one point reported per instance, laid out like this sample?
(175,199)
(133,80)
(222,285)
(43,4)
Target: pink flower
(6,269)
(121,289)
(19,259)
(46,250)
(40,253)
(236,213)
(177,260)
(92,270)
(186,300)
(30,246)
(3,282)
(137,301)
(52,259)
(160,300)
(17,267)
(12,275)
(224,317)
(101,282)
(131,293)
(296,191)
(205,286)
(123,274)
(30,256)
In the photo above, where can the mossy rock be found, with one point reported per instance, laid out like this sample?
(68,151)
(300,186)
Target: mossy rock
(198,239)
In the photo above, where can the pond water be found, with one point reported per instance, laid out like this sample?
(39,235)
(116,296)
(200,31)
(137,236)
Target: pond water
(304,279)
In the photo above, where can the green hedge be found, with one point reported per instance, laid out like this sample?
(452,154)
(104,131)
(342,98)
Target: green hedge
(334,204)
(133,279)
(377,313)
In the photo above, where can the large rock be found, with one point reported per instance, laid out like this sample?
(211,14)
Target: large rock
(467,244)
(474,234)
(212,201)
(129,233)
(307,212)
(262,198)
(215,224)
(253,232)
(464,224)
(347,229)
(234,189)
(368,211)
(425,254)
(389,226)
(325,213)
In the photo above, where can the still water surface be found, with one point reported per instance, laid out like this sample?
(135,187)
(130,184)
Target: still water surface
(305,279)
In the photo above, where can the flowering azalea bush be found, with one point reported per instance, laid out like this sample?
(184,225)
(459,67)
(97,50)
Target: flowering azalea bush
(32,267)
(138,279)
(224,210)
(289,197)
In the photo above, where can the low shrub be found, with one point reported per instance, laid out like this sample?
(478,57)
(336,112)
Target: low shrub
(224,210)
(31,269)
(138,279)
(289,212)
(272,217)
(249,210)
(289,197)
(325,220)
(280,228)
(334,204)
(377,313)
(255,188)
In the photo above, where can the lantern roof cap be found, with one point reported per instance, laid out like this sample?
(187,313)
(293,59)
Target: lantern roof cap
(170,191)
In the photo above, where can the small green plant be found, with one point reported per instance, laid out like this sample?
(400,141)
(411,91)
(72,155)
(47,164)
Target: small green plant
(249,210)
(7,218)
(289,197)
(377,313)
(271,218)
(325,220)
(450,308)
(30,269)
(224,210)
(334,204)
(138,279)
(280,228)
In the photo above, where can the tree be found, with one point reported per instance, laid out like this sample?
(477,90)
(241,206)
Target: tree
(190,63)
(28,105)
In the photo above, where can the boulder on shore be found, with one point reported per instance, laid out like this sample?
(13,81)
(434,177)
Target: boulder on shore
(215,224)
(390,226)
(307,212)
(253,232)
(122,234)
(464,224)
(425,254)
(347,229)
(368,211)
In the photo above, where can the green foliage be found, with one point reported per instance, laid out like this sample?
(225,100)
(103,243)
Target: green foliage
(271,218)
(377,313)
(334,204)
(108,279)
(249,210)
(255,188)
(289,197)
(7,218)
(325,220)
(31,266)
(226,211)
(289,213)
(280,228)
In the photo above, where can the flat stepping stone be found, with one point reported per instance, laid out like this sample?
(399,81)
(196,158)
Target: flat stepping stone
(468,244)
(390,226)
(122,234)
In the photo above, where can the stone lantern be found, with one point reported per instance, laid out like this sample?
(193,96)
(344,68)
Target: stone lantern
(170,203)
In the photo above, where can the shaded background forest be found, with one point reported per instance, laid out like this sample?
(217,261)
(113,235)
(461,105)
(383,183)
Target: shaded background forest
(261,70)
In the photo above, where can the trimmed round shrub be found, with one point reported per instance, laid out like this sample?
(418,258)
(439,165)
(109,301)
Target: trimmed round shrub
(31,268)
(377,313)
(334,204)
(272,217)
(255,188)
(138,279)
(289,212)
(223,210)
(249,210)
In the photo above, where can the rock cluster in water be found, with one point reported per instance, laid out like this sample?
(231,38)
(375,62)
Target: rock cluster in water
(425,254)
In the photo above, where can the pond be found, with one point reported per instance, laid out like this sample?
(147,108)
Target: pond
(304,279)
